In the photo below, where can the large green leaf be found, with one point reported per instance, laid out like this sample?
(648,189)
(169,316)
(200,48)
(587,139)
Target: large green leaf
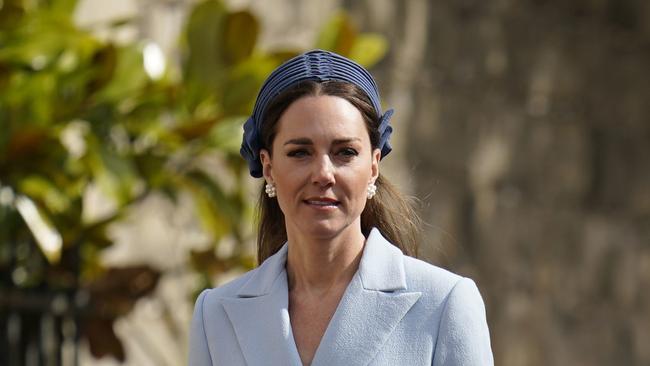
(63,7)
(337,35)
(11,13)
(240,36)
(206,63)
(114,173)
(123,73)
(216,209)
(244,82)
(226,135)
(368,49)
(44,190)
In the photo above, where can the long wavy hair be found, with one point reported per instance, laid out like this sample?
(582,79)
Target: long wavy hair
(389,211)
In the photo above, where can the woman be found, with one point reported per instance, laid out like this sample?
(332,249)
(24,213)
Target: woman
(336,284)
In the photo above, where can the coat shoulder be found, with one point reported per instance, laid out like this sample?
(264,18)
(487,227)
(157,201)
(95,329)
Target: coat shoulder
(433,281)
(229,289)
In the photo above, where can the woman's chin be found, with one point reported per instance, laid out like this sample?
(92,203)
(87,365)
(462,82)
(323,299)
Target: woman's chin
(323,230)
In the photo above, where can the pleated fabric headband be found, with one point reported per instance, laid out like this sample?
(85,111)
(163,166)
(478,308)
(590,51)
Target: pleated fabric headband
(315,65)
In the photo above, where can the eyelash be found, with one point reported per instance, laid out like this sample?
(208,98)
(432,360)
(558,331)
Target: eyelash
(346,152)
(297,153)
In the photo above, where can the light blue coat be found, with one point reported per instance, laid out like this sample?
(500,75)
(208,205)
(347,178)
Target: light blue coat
(397,310)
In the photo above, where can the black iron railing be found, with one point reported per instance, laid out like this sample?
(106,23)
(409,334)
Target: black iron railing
(40,328)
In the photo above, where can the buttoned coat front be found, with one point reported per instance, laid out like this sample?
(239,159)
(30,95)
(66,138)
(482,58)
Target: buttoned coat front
(397,310)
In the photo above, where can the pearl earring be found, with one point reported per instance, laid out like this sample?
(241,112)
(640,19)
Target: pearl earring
(270,190)
(372,190)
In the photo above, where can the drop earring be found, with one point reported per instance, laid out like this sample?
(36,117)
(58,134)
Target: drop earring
(372,190)
(270,190)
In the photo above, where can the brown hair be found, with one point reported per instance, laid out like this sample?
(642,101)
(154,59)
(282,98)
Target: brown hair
(389,211)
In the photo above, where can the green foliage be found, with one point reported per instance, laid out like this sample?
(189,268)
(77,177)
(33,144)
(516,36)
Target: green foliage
(341,36)
(77,112)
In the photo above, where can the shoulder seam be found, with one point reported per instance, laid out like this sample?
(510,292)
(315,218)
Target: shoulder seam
(444,307)
(207,345)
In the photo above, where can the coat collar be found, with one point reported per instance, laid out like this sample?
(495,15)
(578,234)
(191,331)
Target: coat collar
(382,265)
(263,278)
(373,304)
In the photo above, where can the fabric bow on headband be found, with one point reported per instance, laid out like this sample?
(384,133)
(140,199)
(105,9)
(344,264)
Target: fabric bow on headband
(316,65)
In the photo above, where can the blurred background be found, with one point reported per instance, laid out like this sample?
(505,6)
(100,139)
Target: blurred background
(521,126)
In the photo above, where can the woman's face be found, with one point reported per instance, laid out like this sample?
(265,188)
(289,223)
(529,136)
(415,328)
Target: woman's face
(322,164)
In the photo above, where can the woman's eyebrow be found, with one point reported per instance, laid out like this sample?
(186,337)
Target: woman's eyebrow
(307,141)
(345,140)
(299,141)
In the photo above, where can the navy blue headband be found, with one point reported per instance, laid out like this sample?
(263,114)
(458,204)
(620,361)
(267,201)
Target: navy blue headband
(315,65)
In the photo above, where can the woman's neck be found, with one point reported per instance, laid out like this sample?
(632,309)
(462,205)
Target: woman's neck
(316,266)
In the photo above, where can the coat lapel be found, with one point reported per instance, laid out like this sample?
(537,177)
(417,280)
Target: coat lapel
(260,316)
(374,303)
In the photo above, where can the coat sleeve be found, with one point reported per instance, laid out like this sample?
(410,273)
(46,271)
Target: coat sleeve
(463,337)
(199,353)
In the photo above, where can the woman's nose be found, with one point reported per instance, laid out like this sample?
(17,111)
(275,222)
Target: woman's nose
(323,173)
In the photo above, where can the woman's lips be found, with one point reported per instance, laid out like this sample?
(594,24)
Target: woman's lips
(322,203)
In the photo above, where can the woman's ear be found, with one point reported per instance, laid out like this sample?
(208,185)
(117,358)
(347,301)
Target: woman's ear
(265,157)
(376,155)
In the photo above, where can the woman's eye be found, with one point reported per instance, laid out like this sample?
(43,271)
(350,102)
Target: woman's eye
(348,152)
(297,153)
